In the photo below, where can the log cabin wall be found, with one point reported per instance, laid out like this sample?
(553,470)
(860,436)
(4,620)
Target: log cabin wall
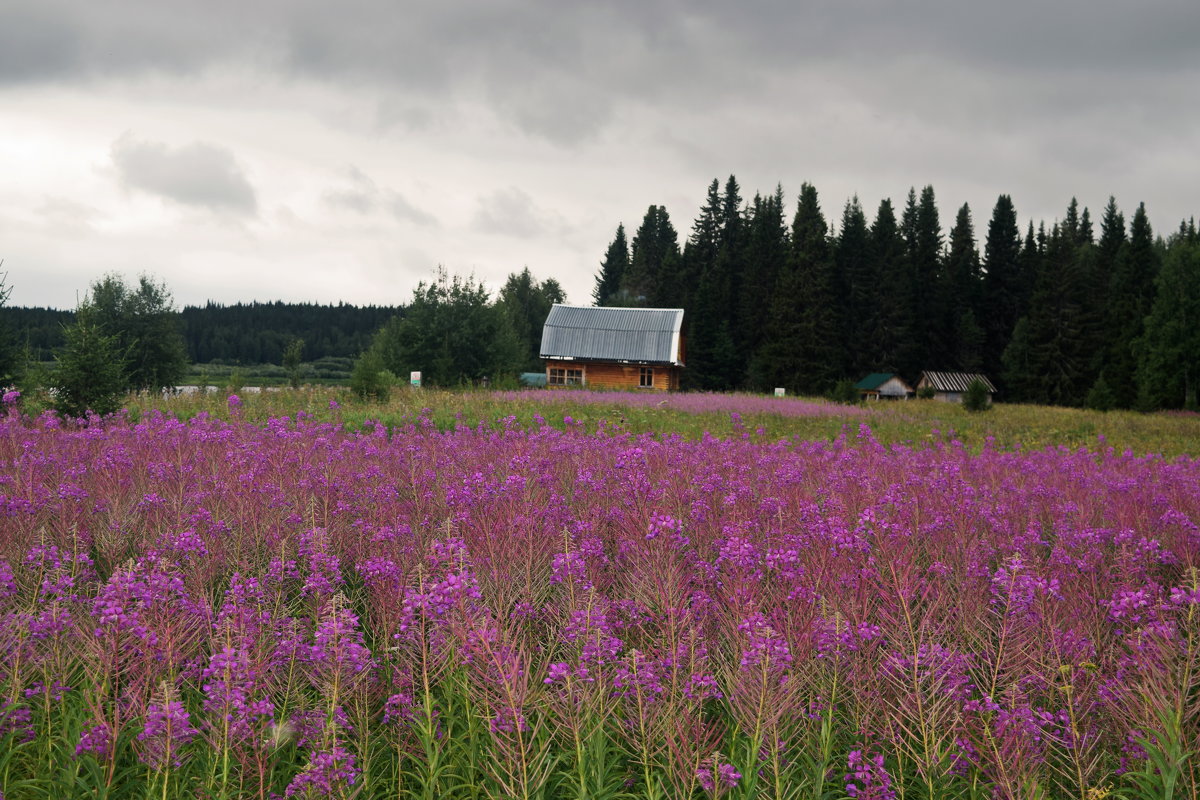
(601,375)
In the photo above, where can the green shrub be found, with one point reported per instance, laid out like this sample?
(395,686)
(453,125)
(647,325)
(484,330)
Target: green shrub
(844,392)
(976,397)
(370,379)
(1101,396)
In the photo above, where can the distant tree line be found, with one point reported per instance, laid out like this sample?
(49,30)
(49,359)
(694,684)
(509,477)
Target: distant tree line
(1063,314)
(125,338)
(243,333)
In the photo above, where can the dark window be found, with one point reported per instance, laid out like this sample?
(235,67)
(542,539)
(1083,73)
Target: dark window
(646,377)
(565,377)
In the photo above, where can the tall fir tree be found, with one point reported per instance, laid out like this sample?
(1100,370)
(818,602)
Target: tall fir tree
(765,257)
(1001,265)
(801,351)
(1131,296)
(700,252)
(859,271)
(711,350)
(923,244)
(12,360)
(1047,360)
(612,271)
(654,242)
(1169,349)
(1104,264)
(893,335)
(962,311)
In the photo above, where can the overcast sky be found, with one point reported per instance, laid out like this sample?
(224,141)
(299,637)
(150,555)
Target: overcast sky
(340,151)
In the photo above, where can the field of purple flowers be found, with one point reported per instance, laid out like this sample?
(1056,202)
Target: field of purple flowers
(220,609)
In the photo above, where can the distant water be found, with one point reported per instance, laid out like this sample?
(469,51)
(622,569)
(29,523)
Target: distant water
(194,389)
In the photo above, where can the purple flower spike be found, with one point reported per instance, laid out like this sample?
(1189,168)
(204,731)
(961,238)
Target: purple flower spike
(868,778)
(168,728)
(716,777)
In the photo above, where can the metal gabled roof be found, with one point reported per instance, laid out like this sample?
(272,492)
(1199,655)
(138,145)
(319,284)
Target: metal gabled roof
(589,333)
(954,381)
(874,381)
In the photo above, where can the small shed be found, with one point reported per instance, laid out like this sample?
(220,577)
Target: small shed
(613,348)
(951,386)
(883,386)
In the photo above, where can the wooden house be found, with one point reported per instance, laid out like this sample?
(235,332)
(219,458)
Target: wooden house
(951,386)
(883,386)
(613,348)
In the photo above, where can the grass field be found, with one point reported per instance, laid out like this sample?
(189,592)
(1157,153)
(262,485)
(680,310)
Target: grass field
(914,422)
(588,595)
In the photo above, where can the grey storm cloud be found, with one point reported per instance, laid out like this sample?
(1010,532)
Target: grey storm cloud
(562,70)
(199,174)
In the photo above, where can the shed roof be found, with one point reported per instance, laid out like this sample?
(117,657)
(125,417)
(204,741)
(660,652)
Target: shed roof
(874,381)
(954,381)
(641,335)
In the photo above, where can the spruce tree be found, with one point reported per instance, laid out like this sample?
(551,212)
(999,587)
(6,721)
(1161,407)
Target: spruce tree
(612,270)
(1047,360)
(1112,238)
(765,257)
(653,243)
(923,245)
(1001,265)
(1169,349)
(12,360)
(90,368)
(709,335)
(963,296)
(801,349)
(1130,299)
(859,270)
(894,327)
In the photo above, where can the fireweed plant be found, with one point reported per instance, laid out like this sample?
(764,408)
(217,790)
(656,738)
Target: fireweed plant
(218,608)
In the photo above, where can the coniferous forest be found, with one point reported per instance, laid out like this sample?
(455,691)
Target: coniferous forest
(242,333)
(1071,313)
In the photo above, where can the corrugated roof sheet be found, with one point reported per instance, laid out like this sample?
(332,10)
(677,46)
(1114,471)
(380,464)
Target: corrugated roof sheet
(954,381)
(647,335)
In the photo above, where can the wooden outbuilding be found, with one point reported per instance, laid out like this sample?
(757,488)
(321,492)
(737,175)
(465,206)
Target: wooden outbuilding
(951,386)
(613,348)
(883,386)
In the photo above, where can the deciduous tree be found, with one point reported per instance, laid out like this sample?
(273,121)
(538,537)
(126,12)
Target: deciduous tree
(451,333)
(145,325)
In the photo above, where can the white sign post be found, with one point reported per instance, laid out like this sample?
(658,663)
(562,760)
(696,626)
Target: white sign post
(780,391)
(414,378)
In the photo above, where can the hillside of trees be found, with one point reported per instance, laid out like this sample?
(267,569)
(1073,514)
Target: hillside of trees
(1060,314)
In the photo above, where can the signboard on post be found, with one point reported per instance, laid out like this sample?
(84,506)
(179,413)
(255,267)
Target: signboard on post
(414,378)
(780,391)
